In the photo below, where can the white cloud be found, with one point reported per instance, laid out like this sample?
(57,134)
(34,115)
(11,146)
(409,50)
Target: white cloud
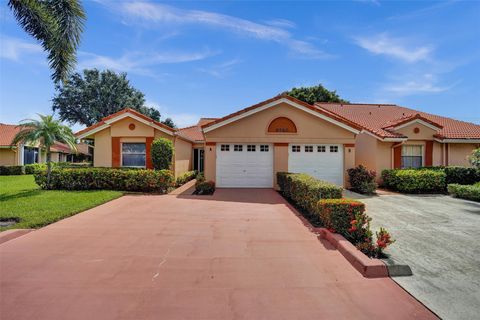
(424,84)
(281,23)
(16,49)
(139,62)
(222,69)
(181,120)
(150,13)
(398,48)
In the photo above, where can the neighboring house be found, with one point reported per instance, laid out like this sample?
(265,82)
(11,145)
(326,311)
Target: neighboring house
(14,155)
(248,147)
(398,137)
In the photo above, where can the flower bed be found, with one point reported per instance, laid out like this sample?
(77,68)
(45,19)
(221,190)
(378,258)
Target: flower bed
(107,178)
(185,177)
(203,187)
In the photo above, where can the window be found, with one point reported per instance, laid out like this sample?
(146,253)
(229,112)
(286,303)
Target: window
(30,155)
(133,154)
(308,148)
(412,156)
(321,149)
(264,148)
(333,148)
(238,147)
(225,147)
(295,148)
(251,148)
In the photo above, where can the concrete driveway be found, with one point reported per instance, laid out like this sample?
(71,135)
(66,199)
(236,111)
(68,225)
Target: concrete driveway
(241,254)
(439,237)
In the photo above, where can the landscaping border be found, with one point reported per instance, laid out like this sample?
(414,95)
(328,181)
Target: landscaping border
(11,234)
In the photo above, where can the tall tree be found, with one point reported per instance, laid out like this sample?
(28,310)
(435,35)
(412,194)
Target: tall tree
(57,25)
(169,122)
(86,99)
(46,132)
(314,94)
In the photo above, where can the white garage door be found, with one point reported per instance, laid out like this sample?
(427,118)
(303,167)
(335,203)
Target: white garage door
(322,161)
(244,165)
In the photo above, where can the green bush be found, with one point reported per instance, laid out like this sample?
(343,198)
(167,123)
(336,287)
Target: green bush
(305,190)
(337,214)
(11,170)
(471,192)
(203,187)
(474,158)
(462,175)
(107,178)
(414,181)
(31,168)
(362,180)
(162,154)
(185,177)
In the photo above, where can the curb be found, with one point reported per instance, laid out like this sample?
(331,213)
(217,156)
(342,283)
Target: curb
(12,234)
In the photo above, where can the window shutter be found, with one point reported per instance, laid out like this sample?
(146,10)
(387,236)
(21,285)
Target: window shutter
(429,153)
(397,157)
(115,152)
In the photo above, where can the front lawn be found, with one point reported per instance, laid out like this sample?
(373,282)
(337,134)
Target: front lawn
(21,198)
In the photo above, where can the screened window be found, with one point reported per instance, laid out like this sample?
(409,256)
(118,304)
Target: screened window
(308,148)
(412,156)
(264,148)
(133,154)
(238,147)
(225,147)
(333,148)
(30,155)
(321,149)
(251,148)
(295,148)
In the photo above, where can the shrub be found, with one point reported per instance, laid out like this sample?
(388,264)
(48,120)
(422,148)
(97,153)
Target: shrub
(185,177)
(106,178)
(162,154)
(204,187)
(414,181)
(31,168)
(471,192)
(305,190)
(11,170)
(362,180)
(462,175)
(474,158)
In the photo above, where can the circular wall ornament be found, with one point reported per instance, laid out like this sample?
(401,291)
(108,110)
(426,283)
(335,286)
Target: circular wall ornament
(131,126)
(416,130)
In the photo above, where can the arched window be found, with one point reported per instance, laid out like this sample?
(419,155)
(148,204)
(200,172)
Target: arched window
(282,125)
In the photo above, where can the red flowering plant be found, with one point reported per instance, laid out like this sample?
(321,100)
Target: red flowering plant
(383,241)
(362,237)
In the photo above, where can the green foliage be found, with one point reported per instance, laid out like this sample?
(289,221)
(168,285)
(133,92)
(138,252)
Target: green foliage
(462,175)
(362,180)
(57,25)
(474,158)
(314,94)
(11,170)
(337,214)
(22,200)
(469,192)
(414,181)
(203,187)
(185,177)
(169,122)
(108,179)
(162,153)
(305,190)
(31,168)
(87,98)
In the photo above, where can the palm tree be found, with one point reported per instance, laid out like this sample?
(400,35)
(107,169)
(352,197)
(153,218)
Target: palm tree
(57,24)
(46,132)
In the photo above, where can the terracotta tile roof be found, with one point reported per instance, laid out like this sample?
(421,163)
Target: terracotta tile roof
(193,133)
(204,121)
(116,114)
(283,96)
(7,133)
(381,118)
(61,147)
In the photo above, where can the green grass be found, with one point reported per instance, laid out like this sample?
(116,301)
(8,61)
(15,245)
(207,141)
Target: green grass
(21,198)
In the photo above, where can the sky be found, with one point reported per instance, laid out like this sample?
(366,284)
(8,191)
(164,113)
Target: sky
(209,59)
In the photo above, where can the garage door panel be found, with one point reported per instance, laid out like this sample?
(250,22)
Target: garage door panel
(244,168)
(327,165)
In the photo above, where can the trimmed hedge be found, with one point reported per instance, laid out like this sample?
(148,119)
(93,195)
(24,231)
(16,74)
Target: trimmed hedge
(162,153)
(362,180)
(305,190)
(11,170)
(107,178)
(462,175)
(185,177)
(337,214)
(415,181)
(471,192)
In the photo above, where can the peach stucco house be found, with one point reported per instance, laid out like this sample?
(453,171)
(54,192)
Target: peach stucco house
(247,148)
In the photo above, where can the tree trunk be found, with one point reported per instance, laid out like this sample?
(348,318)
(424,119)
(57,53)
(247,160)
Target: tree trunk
(49,166)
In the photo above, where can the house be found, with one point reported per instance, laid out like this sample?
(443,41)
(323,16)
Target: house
(247,148)
(14,155)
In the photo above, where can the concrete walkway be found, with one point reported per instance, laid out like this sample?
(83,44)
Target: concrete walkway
(438,236)
(241,254)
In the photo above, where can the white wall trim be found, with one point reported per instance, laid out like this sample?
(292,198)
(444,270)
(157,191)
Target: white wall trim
(458,140)
(139,119)
(426,124)
(274,103)
(93,131)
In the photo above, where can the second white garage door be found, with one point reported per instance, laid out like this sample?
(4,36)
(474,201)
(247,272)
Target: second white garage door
(244,165)
(322,161)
